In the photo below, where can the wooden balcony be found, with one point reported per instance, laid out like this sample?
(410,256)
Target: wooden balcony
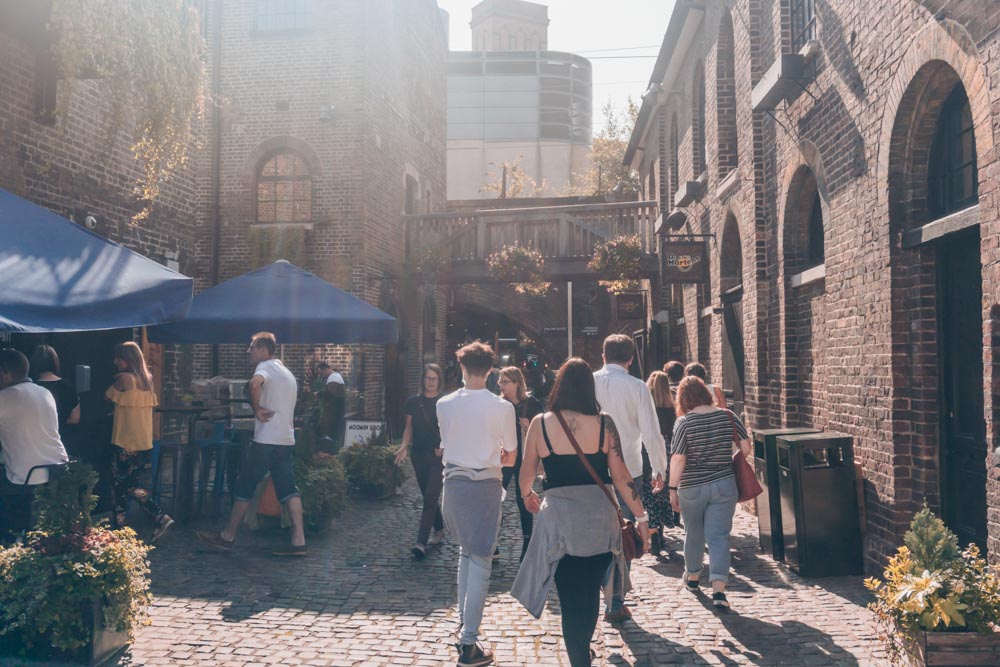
(565,235)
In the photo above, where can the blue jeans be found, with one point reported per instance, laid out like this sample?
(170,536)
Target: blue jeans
(473,585)
(707,510)
(617,595)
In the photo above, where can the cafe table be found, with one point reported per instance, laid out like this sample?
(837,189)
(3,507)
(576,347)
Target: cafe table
(186,456)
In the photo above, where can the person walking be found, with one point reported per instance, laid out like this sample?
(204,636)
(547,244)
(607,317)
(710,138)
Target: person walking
(132,436)
(578,533)
(675,373)
(702,484)
(698,371)
(514,389)
(479,437)
(422,443)
(661,514)
(44,368)
(627,401)
(273,392)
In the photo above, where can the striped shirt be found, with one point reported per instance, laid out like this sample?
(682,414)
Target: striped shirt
(706,439)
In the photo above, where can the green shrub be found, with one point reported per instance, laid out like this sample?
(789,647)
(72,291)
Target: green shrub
(66,565)
(323,486)
(371,468)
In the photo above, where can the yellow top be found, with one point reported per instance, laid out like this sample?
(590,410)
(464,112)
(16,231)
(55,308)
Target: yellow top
(133,427)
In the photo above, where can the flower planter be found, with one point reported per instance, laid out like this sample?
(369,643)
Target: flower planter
(387,487)
(101,647)
(955,649)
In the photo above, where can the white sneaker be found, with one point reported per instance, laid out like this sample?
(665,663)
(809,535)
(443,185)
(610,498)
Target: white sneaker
(166,523)
(436,537)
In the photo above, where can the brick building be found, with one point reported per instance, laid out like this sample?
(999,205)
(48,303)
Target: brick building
(329,124)
(842,155)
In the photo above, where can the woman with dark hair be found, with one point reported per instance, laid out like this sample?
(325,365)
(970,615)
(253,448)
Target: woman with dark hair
(514,389)
(132,435)
(577,533)
(658,504)
(698,370)
(702,484)
(422,443)
(44,370)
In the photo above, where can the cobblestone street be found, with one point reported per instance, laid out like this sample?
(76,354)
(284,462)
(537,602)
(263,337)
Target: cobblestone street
(358,599)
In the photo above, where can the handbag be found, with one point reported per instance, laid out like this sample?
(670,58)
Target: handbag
(746,481)
(633,546)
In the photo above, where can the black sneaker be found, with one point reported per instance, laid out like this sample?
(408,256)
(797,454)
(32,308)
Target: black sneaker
(720,601)
(419,552)
(473,655)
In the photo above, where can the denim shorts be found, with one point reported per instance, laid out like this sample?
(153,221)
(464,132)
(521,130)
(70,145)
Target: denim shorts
(259,459)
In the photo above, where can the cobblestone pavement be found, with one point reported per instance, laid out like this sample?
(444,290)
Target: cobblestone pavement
(358,599)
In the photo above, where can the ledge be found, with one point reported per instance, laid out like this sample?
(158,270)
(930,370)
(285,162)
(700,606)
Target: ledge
(949,224)
(281,225)
(688,193)
(781,79)
(729,185)
(680,320)
(809,276)
(707,311)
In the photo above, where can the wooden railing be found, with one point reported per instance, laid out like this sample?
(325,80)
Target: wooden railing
(568,232)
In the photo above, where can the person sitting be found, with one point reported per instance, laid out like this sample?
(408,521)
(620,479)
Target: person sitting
(334,401)
(29,437)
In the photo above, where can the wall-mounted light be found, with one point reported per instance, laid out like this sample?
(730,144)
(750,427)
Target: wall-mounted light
(326,114)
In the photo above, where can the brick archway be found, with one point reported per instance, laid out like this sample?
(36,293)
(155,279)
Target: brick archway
(941,58)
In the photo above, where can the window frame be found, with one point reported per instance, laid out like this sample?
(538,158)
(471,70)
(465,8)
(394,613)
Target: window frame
(802,22)
(947,160)
(301,16)
(260,177)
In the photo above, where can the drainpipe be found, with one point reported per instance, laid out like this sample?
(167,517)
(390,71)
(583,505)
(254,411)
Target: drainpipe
(213,266)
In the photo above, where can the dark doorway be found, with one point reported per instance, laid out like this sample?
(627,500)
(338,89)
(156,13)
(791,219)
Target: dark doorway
(394,382)
(963,426)
(733,356)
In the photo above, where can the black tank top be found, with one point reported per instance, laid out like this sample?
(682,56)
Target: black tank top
(568,470)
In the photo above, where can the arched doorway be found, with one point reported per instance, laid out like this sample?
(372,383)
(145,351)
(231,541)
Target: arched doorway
(731,274)
(937,301)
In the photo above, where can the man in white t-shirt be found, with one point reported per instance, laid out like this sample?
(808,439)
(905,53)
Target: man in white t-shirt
(29,434)
(478,437)
(273,392)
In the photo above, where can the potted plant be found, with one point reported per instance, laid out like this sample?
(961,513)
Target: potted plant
(937,604)
(429,264)
(72,590)
(371,468)
(523,267)
(322,484)
(618,259)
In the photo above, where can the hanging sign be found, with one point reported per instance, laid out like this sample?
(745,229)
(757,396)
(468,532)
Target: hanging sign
(684,262)
(630,306)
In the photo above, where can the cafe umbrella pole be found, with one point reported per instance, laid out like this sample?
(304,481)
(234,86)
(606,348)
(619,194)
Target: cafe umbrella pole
(569,319)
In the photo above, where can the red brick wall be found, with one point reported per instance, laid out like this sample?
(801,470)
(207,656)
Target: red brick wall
(855,351)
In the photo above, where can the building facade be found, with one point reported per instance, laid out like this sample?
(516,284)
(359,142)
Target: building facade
(841,157)
(325,123)
(510,100)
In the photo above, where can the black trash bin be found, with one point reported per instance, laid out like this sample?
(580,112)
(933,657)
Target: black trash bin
(819,505)
(768,503)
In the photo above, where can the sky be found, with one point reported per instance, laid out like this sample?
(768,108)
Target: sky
(621,38)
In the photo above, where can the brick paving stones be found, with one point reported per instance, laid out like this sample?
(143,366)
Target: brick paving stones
(358,600)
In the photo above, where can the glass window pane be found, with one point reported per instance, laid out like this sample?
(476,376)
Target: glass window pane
(283,212)
(265,212)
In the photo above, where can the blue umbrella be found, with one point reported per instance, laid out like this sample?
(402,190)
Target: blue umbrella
(58,276)
(291,303)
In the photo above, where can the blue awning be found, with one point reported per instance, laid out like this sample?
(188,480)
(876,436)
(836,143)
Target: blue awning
(58,276)
(293,304)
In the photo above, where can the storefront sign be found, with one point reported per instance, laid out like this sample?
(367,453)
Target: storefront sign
(631,306)
(684,262)
(360,432)
(590,332)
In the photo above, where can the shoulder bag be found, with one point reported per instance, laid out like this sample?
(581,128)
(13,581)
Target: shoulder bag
(633,545)
(746,481)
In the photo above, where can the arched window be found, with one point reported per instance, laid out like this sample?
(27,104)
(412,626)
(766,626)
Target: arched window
(803,22)
(284,190)
(725,92)
(698,122)
(816,254)
(731,261)
(952,172)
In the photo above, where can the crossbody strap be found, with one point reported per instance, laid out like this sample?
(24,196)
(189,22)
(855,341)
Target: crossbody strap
(427,417)
(586,463)
(736,434)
